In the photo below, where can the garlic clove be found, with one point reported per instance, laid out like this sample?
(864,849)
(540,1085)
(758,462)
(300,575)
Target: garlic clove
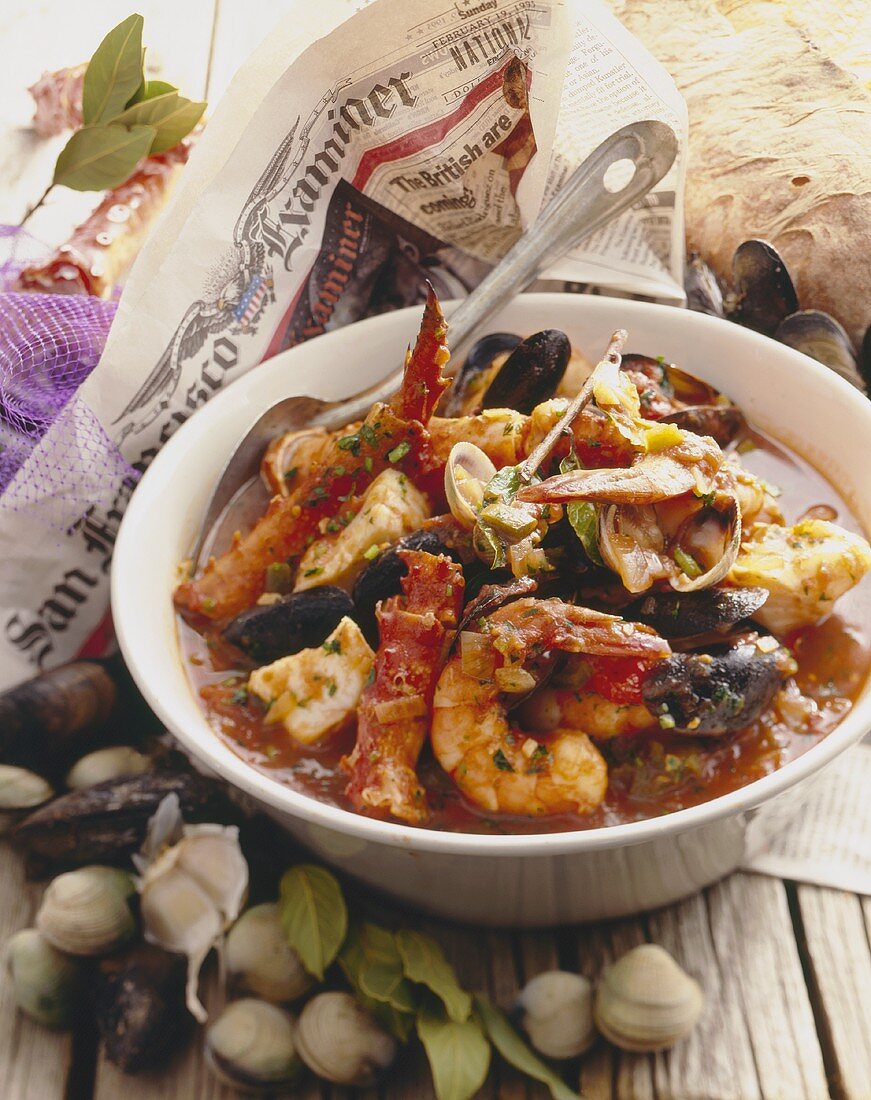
(211,855)
(259,959)
(85,912)
(340,1042)
(115,762)
(250,1046)
(46,982)
(646,1002)
(557,1009)
(20,790)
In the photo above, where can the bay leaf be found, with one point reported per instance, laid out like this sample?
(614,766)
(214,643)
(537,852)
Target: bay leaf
(458,1052)
(99,157)
(517,1053)
(583,516)
(371,954)
(172,115)
(313,915)
(425,962)
(150,89)
(114,73)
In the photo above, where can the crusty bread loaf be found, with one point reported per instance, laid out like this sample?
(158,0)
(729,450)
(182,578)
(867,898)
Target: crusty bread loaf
(780,143)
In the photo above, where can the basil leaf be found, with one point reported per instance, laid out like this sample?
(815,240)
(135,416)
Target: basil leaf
(504,484)
(583,516)
(458,1053)
(515,1051)
(425,962)
(170,114)
(313,915)
(114,73)
(99,157)
(371,955)
(150,89)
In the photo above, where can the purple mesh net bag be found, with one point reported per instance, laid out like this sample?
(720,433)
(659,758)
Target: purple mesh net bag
(49,344)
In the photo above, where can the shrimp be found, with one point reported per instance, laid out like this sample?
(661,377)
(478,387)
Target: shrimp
(494,763)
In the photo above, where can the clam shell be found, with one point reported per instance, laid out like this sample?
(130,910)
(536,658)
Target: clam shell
(467,471)
(339,1041)
(250,1046)
(259,959)
(115,762)
(646,1002)
(46,982)
(20,790)
(85,913)
(557,1011)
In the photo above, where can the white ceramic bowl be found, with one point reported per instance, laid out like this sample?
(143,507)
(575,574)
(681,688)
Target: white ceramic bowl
(499,880)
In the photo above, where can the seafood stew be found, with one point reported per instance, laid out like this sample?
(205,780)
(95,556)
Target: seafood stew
(548,597)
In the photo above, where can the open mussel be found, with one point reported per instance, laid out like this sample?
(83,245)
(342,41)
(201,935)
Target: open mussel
(383,575)
(300,620)
(472,377)
(763,293)
(711,694)
(531,373)
(820,336)
(685,614)
(722,422)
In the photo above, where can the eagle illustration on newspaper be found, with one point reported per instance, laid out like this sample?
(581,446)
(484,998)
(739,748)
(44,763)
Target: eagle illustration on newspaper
(241,300)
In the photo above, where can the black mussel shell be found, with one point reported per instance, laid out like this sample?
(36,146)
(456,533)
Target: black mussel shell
(702,288)
(683,614)
(382,577)
(723,422)
(764,293)
(820,336)
(711,694)
(531,373)
(297,621)
(480,359)
(865,360)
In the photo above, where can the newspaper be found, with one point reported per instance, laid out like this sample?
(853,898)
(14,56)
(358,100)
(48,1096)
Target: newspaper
(354,154)
(827,843)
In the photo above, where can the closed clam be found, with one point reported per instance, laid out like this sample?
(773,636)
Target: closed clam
(467,472)
(115,762)
(339,1041)
(646,1002)
(300,620)
(45,981)
(259,959)
(20,790)
(85,912)
(250,1046)
(557,1009)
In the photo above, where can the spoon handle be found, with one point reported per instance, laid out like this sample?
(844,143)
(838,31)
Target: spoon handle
(581,206)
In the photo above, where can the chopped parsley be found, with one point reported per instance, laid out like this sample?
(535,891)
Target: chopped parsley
(332,645)
(399,451)
(502,762)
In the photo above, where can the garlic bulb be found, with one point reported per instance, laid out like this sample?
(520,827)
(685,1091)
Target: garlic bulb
(250,1046)
(646,1002)
(85,912)
(558,1013)
(192,890)
(339,1041)
(259,959)
(46,982)
(115,762)
(20,790)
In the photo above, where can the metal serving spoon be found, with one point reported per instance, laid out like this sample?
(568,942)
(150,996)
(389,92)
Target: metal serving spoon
(581,206)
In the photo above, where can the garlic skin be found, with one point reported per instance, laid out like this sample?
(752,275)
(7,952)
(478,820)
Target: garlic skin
(45,981)
(557,1011)
(340,1042)
(193,884)
(115,762)
(85,912)
(250,1046)
(259,959)
(646,1002)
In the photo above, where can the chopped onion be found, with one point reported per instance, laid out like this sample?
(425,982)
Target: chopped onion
(514,679)
(399,710)
(477,656)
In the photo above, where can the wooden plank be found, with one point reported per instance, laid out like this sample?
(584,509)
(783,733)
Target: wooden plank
(838,959)
(754,941)
(48,35)
(34,1061)
(716,1059)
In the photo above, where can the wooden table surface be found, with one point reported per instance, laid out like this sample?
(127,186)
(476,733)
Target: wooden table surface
(786,968)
